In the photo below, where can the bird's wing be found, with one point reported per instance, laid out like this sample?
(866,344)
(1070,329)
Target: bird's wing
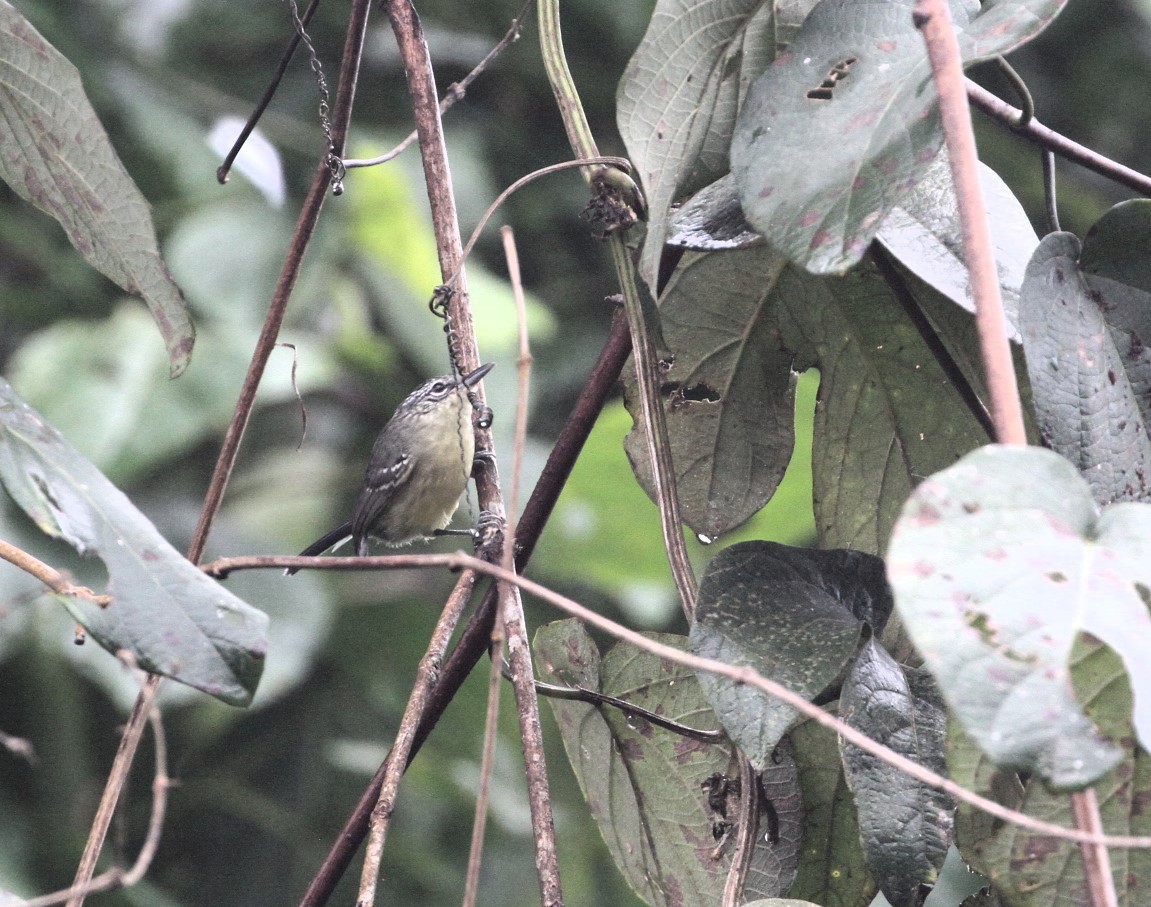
(380,485)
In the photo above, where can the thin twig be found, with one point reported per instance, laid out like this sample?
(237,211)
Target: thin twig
(224,170)
(655,427)
(620,162)
(1096,863)
(117,877)
(305,228)
(1036,132)
(117,778)
(491,723)
(747,835)
(405,735)
(49,576)
(933,18)
(457,91)
(476,637)
(741,675)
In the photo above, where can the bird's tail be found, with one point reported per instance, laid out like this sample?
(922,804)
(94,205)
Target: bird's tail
(337,536)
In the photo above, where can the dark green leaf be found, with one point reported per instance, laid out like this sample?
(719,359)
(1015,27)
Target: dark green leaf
(643,784)
(56,155)
(1084,402)
(905,825)
(730,389)
(836,132)
(167,613)
(677,102)
(996,564)
(794,615)
(834,869)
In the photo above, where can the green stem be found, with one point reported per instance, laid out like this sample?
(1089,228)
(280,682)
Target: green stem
(659,447)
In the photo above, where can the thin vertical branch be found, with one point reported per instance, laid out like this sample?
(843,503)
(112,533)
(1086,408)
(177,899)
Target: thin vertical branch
(433,151)
(413,714)
(933,18)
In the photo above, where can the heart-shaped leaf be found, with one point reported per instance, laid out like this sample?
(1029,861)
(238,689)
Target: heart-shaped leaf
(997,563)
(174,619)
(793,614)
(677,102)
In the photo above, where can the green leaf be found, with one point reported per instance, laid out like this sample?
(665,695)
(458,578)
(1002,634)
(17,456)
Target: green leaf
(1033,870)
(1114,264)
(888,411)
(834,869)
(905,824)
(55,154)
(996,564)
(643,784)
(1085,403)
(175,620)
(923,232)
(794,615)
(729,390)
(678,99)
(837,131)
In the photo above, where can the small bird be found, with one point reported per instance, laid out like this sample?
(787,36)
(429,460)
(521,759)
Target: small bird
(419,467)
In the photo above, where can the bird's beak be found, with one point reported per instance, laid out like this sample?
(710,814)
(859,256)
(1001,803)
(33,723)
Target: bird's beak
(473,378)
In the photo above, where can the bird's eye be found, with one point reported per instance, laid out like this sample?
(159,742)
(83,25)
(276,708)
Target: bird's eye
(439,387)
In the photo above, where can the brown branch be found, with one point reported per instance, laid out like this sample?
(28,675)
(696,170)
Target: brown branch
(49,576)
(933,18)
(1096,863)
(1036,132)
(457,91)
(741,675)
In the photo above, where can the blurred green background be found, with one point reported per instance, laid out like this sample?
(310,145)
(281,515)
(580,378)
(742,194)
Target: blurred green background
(263,792)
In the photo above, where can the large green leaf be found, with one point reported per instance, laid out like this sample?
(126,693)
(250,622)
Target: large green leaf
(997,563)
(1033,870)
(56,155)
(837,131)
(794,615)
(1086,405)
(648,787)
(678,99)
(905,824)
(175,620)
(736,326)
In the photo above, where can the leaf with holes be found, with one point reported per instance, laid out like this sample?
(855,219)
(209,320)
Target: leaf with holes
(55,154)
(794,615)
(678,99)
(736,326)
(174,619)
(905,824)
(652,792)
(840,128)
(997,563)
(1084,401)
